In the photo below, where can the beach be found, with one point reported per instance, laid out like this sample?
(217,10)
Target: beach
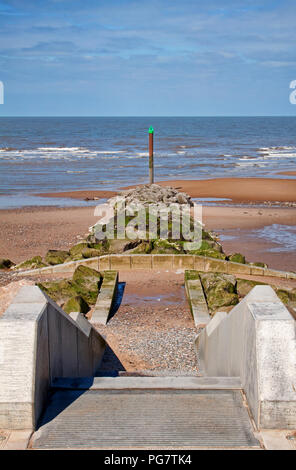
(239,222)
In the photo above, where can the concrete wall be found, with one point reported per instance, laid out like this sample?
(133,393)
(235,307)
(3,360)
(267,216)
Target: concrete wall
(105,298)
(39,342)
(126,262)
(256,341)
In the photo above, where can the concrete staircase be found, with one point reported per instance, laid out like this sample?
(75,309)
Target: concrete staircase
(145,412)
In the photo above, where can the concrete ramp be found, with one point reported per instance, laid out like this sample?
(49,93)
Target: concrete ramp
(80,419)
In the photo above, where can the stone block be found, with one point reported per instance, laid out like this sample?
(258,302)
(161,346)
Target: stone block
(275,273)
(183,262)
(199,263)
(120,262)
(104,263)
(141,262)
(164,262)
(257,271)
(238,268)
(291,275)
(215,265)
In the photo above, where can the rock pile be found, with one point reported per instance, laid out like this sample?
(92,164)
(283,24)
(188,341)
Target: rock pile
(153,194)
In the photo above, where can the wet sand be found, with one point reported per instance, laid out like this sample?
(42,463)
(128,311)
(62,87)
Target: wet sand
(237,189)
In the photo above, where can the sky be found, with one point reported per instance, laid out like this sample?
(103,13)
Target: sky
(147,58)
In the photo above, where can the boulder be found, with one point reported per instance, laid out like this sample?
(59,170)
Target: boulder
(33,263)
(59,291)
(76,250)
(6,263)
(237,258)
(90,253)
(209,253)
(76,304)
(283,295)
(219,289)
(166,247)
(56,256)
(144,247)
(244,286)
(86,282)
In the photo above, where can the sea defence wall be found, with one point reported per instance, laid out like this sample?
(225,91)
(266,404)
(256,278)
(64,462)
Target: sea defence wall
(127,262)
(256,342)
(39,342)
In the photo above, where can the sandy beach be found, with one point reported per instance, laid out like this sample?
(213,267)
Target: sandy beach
(32,231)
(239,190)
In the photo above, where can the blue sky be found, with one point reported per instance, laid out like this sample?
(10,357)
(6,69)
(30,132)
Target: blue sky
(156,57)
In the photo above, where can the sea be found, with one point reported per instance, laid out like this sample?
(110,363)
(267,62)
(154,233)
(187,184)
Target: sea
(48,154)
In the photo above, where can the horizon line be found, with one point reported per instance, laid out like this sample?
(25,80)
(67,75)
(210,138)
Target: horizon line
(150,116)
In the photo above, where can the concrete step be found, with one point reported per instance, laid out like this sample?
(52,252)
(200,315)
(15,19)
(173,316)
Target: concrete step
(115,419)
(147,383)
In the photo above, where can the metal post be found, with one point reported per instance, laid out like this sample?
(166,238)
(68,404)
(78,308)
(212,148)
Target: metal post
(151,166)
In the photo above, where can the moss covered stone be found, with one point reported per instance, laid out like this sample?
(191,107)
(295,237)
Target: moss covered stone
(59,291)
(191,275)
(76,250)
(33,263)
(283,295)
(144,247)
(244,286)
(86,282)
(237,258)
(90,253)
(76,304)
(219,289)
(56,256)
(5,263)
(209,253)
(167,247)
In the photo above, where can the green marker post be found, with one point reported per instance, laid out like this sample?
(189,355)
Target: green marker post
(151,165)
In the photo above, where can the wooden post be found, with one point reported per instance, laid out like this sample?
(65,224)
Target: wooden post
(151,166)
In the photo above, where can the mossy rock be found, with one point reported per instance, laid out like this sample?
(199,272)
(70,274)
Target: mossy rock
(103,246)
(76,304)
(283,295)
(191,275)
(59,291)
(54,257)
(77,250)
(208,253)
(207,245)
(244,286)
(144,247)
(33,263)
(219,289)
(206,235)
(237,258)
(90,253)
(161,246)
(86,282)
(6,263)
(292,295)
(120,245)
